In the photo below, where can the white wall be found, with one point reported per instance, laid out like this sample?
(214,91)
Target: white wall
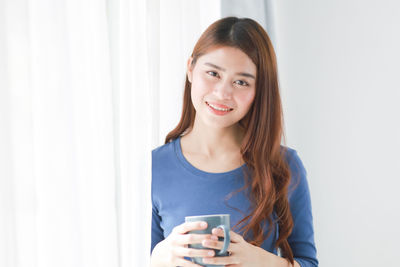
(339,73)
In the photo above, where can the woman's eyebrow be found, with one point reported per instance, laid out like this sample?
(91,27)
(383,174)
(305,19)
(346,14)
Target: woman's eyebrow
(222,69)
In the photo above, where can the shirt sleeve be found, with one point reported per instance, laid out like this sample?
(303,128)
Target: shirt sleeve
(301,240)
(156,230)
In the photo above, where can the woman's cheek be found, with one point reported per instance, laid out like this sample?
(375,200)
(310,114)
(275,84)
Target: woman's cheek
(205,85)
(246,98)
(198,92)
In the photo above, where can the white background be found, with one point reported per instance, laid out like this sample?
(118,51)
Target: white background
(339,71)
(338,66)
(339,74)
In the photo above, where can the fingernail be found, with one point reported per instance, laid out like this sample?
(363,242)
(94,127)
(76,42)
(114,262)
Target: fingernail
(211,253)
(203,224)
(213,237)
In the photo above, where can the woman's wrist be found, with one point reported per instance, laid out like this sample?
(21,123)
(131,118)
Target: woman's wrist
(276,261)
(154,262)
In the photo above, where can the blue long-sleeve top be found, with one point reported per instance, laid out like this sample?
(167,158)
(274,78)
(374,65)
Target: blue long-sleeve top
(179,189)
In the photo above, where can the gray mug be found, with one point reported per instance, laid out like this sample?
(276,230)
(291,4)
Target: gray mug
(214,221)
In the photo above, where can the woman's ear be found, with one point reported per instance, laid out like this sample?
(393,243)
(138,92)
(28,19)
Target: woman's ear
(189,69)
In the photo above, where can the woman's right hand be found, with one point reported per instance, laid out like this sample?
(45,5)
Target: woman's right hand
(172,250)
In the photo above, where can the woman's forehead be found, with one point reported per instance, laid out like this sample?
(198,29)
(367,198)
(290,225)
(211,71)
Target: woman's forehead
(228,58)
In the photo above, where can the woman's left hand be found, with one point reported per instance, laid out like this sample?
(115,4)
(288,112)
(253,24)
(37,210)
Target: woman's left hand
(242,254)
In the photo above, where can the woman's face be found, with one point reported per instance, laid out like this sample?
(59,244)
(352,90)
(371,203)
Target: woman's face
(223,85)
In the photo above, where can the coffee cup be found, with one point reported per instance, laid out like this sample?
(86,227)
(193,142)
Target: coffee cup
(213,221)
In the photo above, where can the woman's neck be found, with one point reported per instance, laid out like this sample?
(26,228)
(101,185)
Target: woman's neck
(213,142)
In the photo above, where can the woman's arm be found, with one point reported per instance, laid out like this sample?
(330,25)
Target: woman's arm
(156,231)
(301,240)
(276,261)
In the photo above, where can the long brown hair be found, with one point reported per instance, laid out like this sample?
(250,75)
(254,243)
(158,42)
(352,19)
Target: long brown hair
(263,127)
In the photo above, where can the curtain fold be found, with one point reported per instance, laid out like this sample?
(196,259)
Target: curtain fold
(134,82)
(60,185)
(84,91)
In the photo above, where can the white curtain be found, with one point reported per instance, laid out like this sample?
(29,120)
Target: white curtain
(82,87)
(181,24)
(58,175)
(75,134)
(133,30)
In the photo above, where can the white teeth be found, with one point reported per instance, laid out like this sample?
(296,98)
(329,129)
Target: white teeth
(221,109)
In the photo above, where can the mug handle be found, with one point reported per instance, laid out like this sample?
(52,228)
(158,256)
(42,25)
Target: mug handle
(227,240)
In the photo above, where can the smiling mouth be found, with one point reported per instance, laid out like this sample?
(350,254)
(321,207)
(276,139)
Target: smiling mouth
(218,108)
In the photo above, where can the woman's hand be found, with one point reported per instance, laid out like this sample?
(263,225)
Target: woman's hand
(172,250)
(242,254)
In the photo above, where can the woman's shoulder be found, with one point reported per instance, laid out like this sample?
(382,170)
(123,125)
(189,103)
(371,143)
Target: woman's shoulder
(163,153)
(290,154)
(298,171)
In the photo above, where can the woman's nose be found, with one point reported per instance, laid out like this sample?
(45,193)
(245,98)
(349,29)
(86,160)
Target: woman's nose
(223,90)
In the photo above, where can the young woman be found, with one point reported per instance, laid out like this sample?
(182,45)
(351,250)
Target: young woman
(225,156)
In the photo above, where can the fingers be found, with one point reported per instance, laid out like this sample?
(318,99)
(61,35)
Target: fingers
(192,252)
(186,263)
(208,243)
(226,261)
(192,238)
(235,238)
(219,245)
(189,226)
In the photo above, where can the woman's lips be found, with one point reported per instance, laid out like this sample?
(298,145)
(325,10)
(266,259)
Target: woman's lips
(218,112)
(218,105)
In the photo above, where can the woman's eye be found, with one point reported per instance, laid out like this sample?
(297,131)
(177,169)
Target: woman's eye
(242,83)
(212,73)
(239,82)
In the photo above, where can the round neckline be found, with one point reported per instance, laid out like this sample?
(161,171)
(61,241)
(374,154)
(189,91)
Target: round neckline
(198,172)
